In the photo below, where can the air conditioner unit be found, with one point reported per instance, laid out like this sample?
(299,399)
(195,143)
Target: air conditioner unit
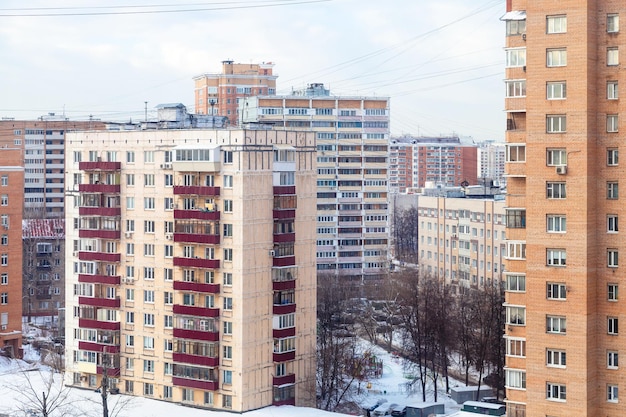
(128,280)
(167,165)
(129,235)
(272,253)
(4,327)
(169,236)
(561,169)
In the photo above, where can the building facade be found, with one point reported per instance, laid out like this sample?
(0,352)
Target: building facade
(11,207)
(220,93)
(352,135)
(191,266)
(491,157)
(563,271)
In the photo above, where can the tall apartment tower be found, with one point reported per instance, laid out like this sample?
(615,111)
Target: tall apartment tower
(191,266)
(220,93)
(563,273)
(352,135)
(491,157)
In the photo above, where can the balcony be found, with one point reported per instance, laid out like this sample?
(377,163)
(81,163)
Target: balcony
(284,261)
(99,302)
(114,372)
(285,379)
(97,324)
(197,238)
(100,279)
(196,215)
(284,190)
(197,263)
(516,169)
(280,333)
(196,360)
(200,190)
(99,234)
(284,357)
(100,211)
(196,311)
(197,287)
(284,237)
(284,214)
(100,166)
(99,256)
(99,188)
(288,401)
(283,285)
(98,347)
(197,335)
(284,308)
(194,383)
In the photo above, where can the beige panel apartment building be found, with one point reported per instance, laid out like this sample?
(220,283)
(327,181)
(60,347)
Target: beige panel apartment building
(563,80)
(191,265)
(352,135)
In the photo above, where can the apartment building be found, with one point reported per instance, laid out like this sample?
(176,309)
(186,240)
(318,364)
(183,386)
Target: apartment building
(491,157)
(220,93)
(352,135)
(563,271)
(190,264)
(416,161)
(11,207)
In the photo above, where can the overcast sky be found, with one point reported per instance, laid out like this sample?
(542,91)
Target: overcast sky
(440,61)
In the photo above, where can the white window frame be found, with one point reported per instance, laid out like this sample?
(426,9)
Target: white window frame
(612,359)
(556,90)
(556,325)
(556,190)
(515,88)
(556,358)
(556,392)
(515,282)
(612,291)
(515,347)
(612,223)
(556,291)
(515,315)
(556,257)
(612,325)
(516,249)
(515,152)
(612,23)
(556,24)
(515,57)
(515,379)
(612,90)
(612,123)
(556,123)
(612,157)
(612,190)
(612,393)
(612,56)
(556,57)
(556,223)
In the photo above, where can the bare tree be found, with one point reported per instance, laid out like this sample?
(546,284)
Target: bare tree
(405,234)
(49,399)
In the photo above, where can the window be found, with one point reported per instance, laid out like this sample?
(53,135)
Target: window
(515,153)
(168,274)
(148,249)
(228,352)
(167,392)
(612,56)
(208,397)
(4,298)
(228,230)
(612,23)
(130,202)
(612,359)
(228,181)
(148,296)
(612,327)
(515,57)
(227,401)
(556,291)
(228,303)
(228,254)
(228,206)
(287,178)
(555,257)
(148,342)
(168,203)
(611,123)
(611,393)
(4,279)
(556,223)
(612,258)
(516,347)
(556,123)
(130,315)
(516,282)
(612,190)
(148,389)
(556,157)
(228,377)
(515,27)
(148,156)
(556,57)
(228,327)
(148,203)
(4,259)
(556,90)
(515,219)
(515,88)
(187,394)
(516,250)
(515,379)
(555,358)
(148,319)
(516,315)
(612,157)
(556,24)
(555,190)
(555,324)
(228,157)
(555,391)
(4,180)
(227,279)
(612,292)
(169,251)
(148,226)
(611,90)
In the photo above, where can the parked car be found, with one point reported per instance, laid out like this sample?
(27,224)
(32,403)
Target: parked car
(399,411)
(370,406)
(383,409)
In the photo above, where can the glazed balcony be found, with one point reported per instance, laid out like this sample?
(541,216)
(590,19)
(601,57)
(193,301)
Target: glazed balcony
(284,214)
(99,256)
(284,237)
(284,190)
(197,238)
(285,379)
(99,166)
(100,279)
(99,188)
(98,347)
(196,360)
(283,308)
(197,287)
(99,302)
(99,234)
(284,261)
(197,263)
(97,324)
(200,190)
(284,357)
(196,215)
(280,333)
(197,335)
(283,285)
(100,211)
(194,383)
(196,311)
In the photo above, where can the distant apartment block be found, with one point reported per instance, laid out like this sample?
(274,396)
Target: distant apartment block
(352,136)
(415,162)
(491,159)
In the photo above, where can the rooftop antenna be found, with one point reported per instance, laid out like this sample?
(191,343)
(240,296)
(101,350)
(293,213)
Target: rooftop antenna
(146,110)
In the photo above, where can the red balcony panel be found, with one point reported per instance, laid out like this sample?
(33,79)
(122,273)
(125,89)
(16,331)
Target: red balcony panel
(284,308)
(97,324)
(280,333)
(99,279)
(99,256)
(285,190)
(99,234)
(284,214)
(110,371)
(99,166)
(194,383)
(197,263)
(196,190)
(196,215)
(284,237)
(196,311)
(99,188)
(197,287)
(100,211)
(197,335)
(282,380)
(99,302)
(98,347)
(197,238)
(196,360)
(284,357)
(283,285)
(284,261)
(288,401)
